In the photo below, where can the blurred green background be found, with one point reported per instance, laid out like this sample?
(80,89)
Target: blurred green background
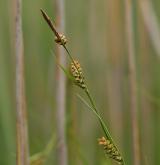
(96,34)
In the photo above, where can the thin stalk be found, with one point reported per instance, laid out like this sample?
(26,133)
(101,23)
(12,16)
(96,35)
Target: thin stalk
(90,98)
(94,109)
(61,87)
(132,81)
(21,120)
(103,125)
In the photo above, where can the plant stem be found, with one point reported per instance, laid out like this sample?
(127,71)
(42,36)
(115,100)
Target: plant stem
(21,120)
(61,89)
(132,81)
(103,125)
(85,88)
(94,108)
(96,111)
(100,120)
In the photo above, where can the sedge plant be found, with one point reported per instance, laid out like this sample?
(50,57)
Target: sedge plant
(77,76)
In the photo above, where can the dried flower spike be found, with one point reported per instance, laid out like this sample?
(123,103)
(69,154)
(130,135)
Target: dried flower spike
(62,40)
(110,149)
(76,72)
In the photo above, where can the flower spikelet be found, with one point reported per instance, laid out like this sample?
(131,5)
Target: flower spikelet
(77,73)
(61,40)
(110,149)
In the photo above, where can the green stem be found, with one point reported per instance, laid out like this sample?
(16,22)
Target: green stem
(101,121)
(90,98)
(97,112)
(71,58)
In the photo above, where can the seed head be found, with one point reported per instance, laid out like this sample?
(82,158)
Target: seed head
(110,149)
(77,73)
(62,40)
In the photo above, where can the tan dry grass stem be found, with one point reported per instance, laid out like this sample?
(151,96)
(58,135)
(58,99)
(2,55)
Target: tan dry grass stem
(21,120)
(132,82)
(62,156)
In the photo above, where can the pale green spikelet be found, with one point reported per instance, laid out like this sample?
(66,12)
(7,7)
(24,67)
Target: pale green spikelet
(77,73)
(110,150)
(62,40)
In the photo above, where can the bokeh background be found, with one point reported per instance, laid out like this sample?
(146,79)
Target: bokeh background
(97,37)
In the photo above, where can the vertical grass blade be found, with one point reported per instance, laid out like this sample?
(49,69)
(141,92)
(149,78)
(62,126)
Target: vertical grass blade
(132,82)
(21,120)
(61,88)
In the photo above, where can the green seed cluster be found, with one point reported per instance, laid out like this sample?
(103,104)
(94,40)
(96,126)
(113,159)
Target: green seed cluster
(62,40)
(110,150)
(76,72)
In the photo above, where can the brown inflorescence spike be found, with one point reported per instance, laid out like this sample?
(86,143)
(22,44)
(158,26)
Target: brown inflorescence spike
(77,73)
(60,39)
(110,149)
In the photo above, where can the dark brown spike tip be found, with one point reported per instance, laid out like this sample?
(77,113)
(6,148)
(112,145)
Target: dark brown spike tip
(43,13)
(49,22)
